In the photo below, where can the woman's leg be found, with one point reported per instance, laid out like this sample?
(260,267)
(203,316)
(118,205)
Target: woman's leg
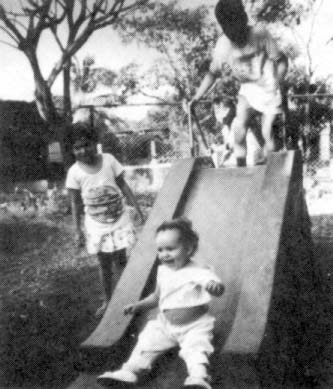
(239,127)
(267,121)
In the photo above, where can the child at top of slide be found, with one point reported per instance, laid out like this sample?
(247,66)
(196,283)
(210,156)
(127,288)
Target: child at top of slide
(183,292)
(99,180)
(258,64)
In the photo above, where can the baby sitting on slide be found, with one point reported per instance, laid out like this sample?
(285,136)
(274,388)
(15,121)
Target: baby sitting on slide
(183,292)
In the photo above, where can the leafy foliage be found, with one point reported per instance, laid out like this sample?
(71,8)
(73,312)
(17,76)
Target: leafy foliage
(288,12)
(86,78)
(183,38)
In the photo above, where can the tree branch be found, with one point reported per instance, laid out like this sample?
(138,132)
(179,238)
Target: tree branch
(10,25)
(79,21)
(57,39)
(153,96)
(69,51)
(18,23)
(117,9)
(8,44)
(42,12)
(10,35)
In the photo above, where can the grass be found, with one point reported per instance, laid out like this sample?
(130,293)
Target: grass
(49,294)
(45,300)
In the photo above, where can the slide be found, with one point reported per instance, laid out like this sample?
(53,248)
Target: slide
(254,230)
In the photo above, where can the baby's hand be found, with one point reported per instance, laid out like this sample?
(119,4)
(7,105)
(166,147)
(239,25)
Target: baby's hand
(130,309)
(215,288)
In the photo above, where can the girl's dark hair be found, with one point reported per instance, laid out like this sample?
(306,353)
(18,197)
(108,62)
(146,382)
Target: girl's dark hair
(188,236)
(233,19)
(81,130)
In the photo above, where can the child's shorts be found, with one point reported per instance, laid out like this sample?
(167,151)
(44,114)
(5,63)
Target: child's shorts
(267,101)
(109,237)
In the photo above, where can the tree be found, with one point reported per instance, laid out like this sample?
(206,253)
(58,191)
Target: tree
(288,12)
(85,77)
(185,37)
(308,116)
(182,37)
(183,40)
(24,22)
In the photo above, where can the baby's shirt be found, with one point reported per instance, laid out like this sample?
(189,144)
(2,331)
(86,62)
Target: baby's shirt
(252,63)
(101,195)
(185,287)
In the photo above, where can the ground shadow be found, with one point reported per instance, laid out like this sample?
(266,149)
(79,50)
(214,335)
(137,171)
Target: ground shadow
(41,333)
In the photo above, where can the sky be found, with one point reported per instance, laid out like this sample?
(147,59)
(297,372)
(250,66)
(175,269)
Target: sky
(16,78)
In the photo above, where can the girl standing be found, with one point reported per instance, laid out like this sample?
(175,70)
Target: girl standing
(99,180)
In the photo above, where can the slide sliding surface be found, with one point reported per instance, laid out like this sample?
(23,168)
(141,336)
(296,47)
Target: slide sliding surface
(251,223)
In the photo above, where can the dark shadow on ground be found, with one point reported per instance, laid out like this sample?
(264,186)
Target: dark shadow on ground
(41,334)
(17,236)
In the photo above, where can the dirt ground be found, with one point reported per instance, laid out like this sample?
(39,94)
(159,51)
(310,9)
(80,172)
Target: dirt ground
(49,294)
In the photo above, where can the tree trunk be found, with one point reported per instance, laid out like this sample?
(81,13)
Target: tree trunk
(67,116)
(43,95)
(59,122)
(67,93)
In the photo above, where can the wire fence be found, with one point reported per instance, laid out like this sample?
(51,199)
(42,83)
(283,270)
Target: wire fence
(310,119)
(139,133)
(163,132)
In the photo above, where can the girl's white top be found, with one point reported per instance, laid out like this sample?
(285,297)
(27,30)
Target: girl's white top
(102,198)
(185,287)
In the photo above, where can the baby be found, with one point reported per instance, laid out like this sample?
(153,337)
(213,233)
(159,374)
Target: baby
(183,292)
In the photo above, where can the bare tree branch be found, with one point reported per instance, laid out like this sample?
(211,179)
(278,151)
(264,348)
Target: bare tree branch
(10,25)
(311,70)
(153,96)
(25,26)
(17,22)
(8,44)
(10,35)
(75,26)
(56,37)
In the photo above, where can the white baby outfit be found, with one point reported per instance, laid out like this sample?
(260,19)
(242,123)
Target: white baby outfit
(107,221)
(253,66)
(180,288)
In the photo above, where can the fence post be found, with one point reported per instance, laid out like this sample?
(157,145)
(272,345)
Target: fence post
(92,116)
(190,130)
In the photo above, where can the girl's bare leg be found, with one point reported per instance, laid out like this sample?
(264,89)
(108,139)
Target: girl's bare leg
(111,267)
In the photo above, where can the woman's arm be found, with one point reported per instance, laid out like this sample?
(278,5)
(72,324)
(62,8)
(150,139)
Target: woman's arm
(129,194)
(281,68)
(205,85)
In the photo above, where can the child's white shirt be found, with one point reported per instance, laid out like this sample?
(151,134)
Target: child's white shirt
(99,189)
(185,287)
